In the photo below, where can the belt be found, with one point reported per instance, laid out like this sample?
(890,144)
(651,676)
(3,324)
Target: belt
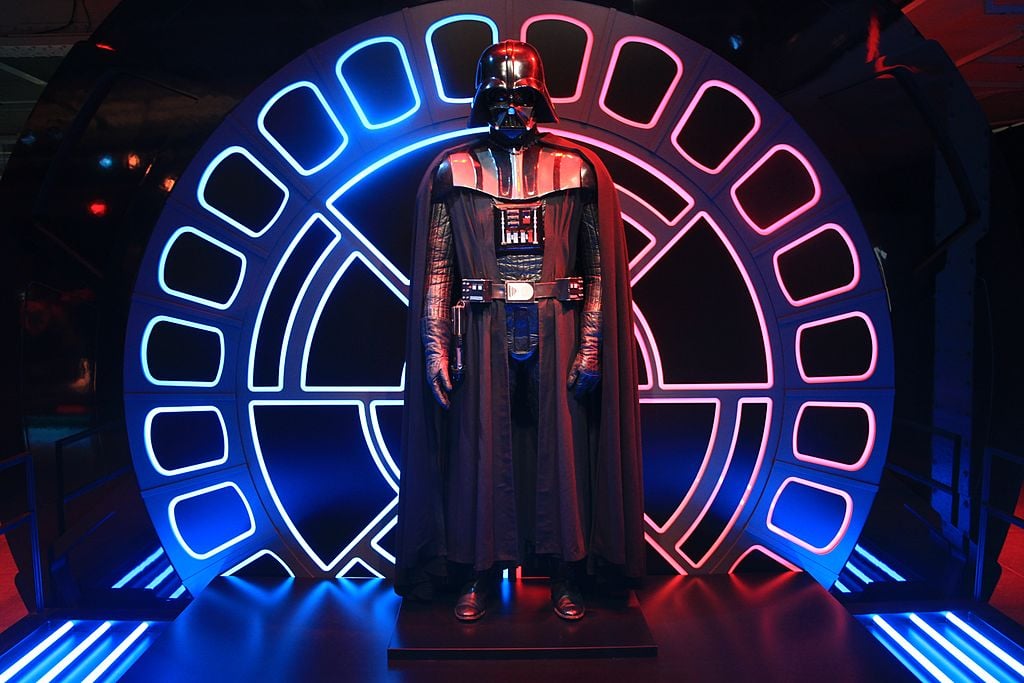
(522,291)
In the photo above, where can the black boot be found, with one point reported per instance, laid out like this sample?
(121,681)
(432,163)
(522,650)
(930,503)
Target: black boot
(566,597)
(474,596)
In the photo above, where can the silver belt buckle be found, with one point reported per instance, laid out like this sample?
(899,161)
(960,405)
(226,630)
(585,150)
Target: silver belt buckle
(518,290)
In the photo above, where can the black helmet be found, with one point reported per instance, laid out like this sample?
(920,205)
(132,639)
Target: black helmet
(508,68)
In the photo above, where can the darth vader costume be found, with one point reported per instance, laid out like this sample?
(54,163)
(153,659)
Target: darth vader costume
(521,421)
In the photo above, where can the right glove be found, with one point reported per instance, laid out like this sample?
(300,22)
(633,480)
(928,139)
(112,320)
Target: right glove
(436,336)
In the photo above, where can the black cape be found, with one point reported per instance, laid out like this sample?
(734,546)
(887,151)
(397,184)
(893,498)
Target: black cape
(455,501)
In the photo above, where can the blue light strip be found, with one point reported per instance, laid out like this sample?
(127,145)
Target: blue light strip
(116,654)
(192,297)
(159,579)
(374,125)
(864,578)
(201,190)
(478,18)
(281,149)
(144,347)
(878,563)
(148,439)
(70,657)
(255,556)
(907,647)
(956,652)
(30,656)
(840,587)
(139,569)
(178,593)
(226,544)
(991,647)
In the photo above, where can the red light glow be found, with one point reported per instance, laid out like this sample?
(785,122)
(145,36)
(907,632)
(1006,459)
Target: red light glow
(98,208)
(132,161)
(105,46)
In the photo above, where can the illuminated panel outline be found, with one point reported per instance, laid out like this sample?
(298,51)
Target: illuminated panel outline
(910,649)
(852,284)
(765,551)
(139,568)
(148,436)
(795,213)
(611,72)
(652,542)
(586,51)
(144,345)
(477,18)
(838,378)
(255,556)
(721,479)
(991,647)
(704,462)
(280,148)
(375,541)
(868,447)
(766,340)
(381,443)
(369,125)
(30,656)
(257,326)
(352,563)
(722,85)
(831,545)
(188,229)
(652,240)
(642,344)
(226,544)
(201,190)
(325,566)
(328,291)
(636,161)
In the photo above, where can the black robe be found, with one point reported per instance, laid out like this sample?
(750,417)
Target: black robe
(457,501)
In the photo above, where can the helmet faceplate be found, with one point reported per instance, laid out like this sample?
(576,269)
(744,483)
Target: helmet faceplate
(510,88)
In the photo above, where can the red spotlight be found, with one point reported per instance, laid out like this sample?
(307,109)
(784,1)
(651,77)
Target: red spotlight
(98,208)
(132,161)
(105,46)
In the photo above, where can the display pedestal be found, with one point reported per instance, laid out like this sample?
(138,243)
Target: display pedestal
(520,623)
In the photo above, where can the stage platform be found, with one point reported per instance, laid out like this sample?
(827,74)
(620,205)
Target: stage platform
(712,628)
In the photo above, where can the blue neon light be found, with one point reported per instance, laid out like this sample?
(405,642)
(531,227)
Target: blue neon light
(201,190)
(178,593)
(226,544)
(381,443)
(841,587)
(159,579)
(357,561)
(986,643)
(30,656)
(325,566)
(116,654)
(255,556)
(192,297)
(956,652)
(910,649)
(70,657)
(311,333)
(260,122)
(865,579)
(479,18)
(138,569)
(878,563)
(295,307)
(375,125)
(144,345)
(148,439)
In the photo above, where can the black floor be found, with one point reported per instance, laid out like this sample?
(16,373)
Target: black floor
(715,628)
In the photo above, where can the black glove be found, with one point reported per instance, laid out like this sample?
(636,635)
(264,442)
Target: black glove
(436,336)
(585,372)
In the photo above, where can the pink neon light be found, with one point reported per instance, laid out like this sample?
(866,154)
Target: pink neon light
(693,105)
(852,284)
(661,551)
(831,545)
(586,51)
(640,320)
(704,462)
(637,161)
(837,378)
(765,551)
(611,71)
(868,445)
(645,354)
(800,210)
(721,480)
(646,233)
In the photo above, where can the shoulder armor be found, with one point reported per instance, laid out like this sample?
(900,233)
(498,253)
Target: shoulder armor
(442,179)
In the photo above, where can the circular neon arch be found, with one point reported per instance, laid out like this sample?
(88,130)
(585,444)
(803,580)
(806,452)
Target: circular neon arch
(263,382)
